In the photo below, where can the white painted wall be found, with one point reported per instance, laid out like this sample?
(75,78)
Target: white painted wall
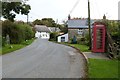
(42,35)
(37,34)
(66,37)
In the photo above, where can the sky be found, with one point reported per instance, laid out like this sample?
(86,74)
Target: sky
(60,9)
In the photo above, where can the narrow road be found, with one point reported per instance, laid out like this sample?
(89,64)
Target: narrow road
(43,59)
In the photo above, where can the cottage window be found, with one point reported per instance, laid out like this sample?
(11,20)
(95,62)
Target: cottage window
(80,31)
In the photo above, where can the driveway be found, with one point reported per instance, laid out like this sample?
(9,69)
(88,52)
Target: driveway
(43,59)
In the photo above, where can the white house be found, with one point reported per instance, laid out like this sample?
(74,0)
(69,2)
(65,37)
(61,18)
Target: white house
(42,32)
(63,38)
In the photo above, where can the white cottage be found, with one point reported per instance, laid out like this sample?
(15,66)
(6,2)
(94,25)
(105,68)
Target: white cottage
(42,32)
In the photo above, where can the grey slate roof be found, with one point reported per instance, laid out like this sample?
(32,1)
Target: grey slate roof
(41,28)
(78,23)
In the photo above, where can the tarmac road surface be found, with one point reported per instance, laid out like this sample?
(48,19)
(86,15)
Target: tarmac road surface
(43,59)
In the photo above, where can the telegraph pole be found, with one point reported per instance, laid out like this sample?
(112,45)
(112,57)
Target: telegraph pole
(0,9)
(89,25)
(56,25)
(27,18)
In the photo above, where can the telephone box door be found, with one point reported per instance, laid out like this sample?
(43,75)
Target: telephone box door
(98,38)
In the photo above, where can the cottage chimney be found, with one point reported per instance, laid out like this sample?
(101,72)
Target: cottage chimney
(104,17)
(69,17)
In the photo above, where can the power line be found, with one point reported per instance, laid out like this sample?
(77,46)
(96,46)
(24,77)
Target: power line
(74,6)
(34,14)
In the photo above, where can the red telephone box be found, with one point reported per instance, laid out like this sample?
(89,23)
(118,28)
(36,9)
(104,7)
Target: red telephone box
(98,37)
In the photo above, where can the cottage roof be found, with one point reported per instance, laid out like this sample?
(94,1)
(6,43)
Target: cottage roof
(78,23)
(41,28)
(54,29)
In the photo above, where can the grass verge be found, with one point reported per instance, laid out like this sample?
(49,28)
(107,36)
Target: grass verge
(99,68)
(82,48)
(13,47)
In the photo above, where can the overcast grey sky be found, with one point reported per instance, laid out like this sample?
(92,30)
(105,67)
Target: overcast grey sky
(59,9)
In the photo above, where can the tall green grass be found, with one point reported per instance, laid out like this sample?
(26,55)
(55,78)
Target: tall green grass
(13,47)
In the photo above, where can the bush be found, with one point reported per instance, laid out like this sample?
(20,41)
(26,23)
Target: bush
(53,36)
(27,32)
(6,27)
(81,40)
(11,29)
(0,41)
(87,39)
(84,40)
(17,32)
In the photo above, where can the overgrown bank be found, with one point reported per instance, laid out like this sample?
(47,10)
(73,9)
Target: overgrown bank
(15,35)
(13,47)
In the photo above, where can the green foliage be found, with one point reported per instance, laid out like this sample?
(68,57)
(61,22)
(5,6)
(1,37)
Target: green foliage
(113,27)
(81,40)
(37,22)
(87,39)
(0,41)
(17,32)
(10,8)
(13,30)
(3,41)
(53,36)
(84,40)
(27,31)
(49,22)
(63,28)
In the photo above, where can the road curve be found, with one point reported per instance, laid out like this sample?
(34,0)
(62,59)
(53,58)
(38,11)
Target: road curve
(43,59)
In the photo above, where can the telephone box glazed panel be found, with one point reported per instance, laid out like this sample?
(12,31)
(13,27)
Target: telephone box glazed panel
(98,38)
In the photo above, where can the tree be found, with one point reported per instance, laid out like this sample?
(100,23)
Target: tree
(10,9)
(48,22)
(0,9)
(63,27)
(37,22)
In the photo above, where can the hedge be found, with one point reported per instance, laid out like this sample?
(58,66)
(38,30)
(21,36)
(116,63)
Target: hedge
(17,32)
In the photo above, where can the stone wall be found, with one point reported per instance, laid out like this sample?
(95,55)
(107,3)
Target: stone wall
(74,32)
